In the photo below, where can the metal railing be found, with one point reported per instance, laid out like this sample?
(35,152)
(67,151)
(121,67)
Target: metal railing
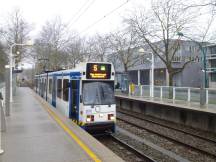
(189,94)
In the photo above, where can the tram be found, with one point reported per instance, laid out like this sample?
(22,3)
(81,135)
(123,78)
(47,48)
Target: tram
(84,94)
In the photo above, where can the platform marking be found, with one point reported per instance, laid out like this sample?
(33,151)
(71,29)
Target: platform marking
(66,129)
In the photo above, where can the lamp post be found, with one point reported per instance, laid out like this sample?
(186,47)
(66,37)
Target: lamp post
(11,64)
(204,78)
(141,50)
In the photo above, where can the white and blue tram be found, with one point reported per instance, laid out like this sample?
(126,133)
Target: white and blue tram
(84,94)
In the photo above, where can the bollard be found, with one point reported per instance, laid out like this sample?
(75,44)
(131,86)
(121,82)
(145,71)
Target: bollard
(133,89)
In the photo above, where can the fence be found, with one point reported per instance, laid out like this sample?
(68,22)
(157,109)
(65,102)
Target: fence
(176,93)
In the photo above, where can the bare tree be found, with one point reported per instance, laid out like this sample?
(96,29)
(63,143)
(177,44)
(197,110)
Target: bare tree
(203,3)
(204,29)
(3,61)
(89,49)
(100,47)
(51,43)
(123,44)
(17,30)
(75,52)
(158,29)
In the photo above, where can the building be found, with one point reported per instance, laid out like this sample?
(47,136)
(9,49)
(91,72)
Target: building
(191,76)
(211,65)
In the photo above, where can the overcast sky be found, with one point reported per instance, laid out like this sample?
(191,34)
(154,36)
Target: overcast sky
(79,14)
(37,12)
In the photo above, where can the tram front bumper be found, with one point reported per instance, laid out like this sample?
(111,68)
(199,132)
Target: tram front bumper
(100,127)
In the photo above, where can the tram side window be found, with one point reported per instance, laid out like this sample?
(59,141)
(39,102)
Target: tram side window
(45,84)
(59,88)
(65,89)
(36,83)
(50,86)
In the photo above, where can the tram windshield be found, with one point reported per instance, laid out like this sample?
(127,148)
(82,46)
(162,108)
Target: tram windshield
(98,93)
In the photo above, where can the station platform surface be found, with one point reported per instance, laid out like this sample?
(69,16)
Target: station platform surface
(194,106)
(36,132)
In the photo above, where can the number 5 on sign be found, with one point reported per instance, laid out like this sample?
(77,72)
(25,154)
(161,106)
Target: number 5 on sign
(95,67)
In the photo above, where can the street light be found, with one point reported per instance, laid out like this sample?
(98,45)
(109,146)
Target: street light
(11,63)
(204,79)
(141,50)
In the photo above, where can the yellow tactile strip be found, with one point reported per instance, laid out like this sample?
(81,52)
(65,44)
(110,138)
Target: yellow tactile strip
(92,155)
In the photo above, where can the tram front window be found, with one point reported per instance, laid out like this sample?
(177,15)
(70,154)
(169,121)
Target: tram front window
(98,93)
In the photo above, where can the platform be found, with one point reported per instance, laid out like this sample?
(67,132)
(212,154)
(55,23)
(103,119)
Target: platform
(194,106)
(186,113)
(38,133)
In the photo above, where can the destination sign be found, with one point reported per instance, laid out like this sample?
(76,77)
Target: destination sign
(98,71)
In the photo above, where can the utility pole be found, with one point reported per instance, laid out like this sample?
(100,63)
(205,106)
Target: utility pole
(11,64)
(7,90)
(142,52)
(204,83)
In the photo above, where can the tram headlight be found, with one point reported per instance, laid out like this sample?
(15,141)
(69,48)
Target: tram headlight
(90,118)
(111,117)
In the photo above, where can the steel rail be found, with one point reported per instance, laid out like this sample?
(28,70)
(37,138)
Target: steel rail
(169,127)
(169,138)
(132,149)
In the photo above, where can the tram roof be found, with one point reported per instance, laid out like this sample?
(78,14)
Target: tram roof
(81,67)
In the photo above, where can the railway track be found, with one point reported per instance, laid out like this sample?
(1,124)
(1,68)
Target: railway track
(124,150)
(213,140)
(140,126)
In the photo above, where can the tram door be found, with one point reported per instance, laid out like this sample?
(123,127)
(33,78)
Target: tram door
(54,91)
(74,99)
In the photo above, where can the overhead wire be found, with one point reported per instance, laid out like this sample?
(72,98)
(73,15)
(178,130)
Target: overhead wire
(85,10)
(77,12)
(105,16)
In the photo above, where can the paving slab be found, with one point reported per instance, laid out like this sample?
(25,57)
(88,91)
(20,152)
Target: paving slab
(34,136)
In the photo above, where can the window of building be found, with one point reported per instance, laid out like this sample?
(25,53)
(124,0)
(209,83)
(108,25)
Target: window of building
(190,48)
(59,88)
(213,77)
(65,89)
(197,59)
(183,58)
(177,59)
(213,50)
(213,63)
(50,86)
